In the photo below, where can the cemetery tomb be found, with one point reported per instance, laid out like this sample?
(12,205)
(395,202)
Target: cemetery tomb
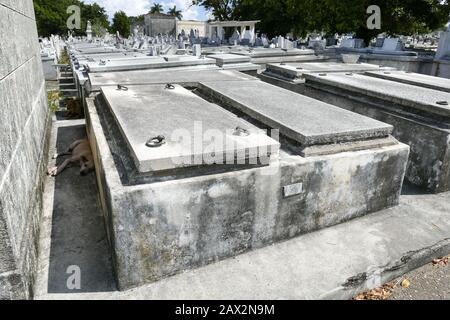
(416,79)
(420,116)
(277,55)
(321,166)
(140,77)
(150,63)
(234,62)
(222,59)
(295,71)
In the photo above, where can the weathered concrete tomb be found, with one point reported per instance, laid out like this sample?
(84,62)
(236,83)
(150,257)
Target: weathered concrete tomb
(416,105)
(416,79)
(293,72)
(186,77)
(192,171)
(146,63)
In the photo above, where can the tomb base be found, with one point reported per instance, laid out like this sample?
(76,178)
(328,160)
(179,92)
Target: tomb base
(161,227)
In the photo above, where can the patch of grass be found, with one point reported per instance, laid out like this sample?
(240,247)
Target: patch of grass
(53,100)
(64,58)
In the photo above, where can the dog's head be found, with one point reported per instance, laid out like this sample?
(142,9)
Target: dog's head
(87,166)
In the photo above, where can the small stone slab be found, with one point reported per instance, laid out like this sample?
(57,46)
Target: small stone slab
(147,111)
(422,99)
(149,63)
(301,118)
(416,79)
(222,59)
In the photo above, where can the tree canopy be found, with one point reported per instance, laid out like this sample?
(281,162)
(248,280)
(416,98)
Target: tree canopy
(51,16)
(121,23)
(156,8)
(175,13)
(279,17)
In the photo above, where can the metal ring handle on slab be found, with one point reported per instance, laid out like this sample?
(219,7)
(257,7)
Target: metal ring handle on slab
(170,86)
(241,132)
(122,87)
(156,142)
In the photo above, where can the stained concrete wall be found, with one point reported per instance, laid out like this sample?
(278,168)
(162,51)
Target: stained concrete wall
(155,24)
(23,134)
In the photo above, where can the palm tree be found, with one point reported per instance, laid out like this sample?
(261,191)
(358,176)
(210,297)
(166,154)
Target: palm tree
(175,13)
(156,8)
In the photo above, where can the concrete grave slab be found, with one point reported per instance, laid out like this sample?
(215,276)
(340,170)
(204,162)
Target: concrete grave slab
(98,50)
(421,99)
(223,59)
(305,120)
(188,77)
(150,63)
(296,70)
(264,53)
(420,116)
(143,112)
(416,79)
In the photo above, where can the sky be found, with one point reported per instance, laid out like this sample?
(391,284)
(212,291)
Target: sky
(138,7)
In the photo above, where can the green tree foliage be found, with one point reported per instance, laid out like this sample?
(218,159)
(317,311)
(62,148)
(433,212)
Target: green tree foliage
(98,29)
(51,16)
(175,13)
(222,10)
(121,23)
(140,20)
(156,8)
(279,17)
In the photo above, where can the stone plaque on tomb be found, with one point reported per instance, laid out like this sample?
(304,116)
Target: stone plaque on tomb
(168,127)
(305,120)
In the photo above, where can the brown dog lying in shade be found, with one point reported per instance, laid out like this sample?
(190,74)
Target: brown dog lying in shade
(80,153)
(74,109)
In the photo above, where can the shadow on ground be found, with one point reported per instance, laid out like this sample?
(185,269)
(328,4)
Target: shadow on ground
(411,190)
(78,232)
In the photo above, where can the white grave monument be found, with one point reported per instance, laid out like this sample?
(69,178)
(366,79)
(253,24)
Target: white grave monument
(89,31)
(443,51)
